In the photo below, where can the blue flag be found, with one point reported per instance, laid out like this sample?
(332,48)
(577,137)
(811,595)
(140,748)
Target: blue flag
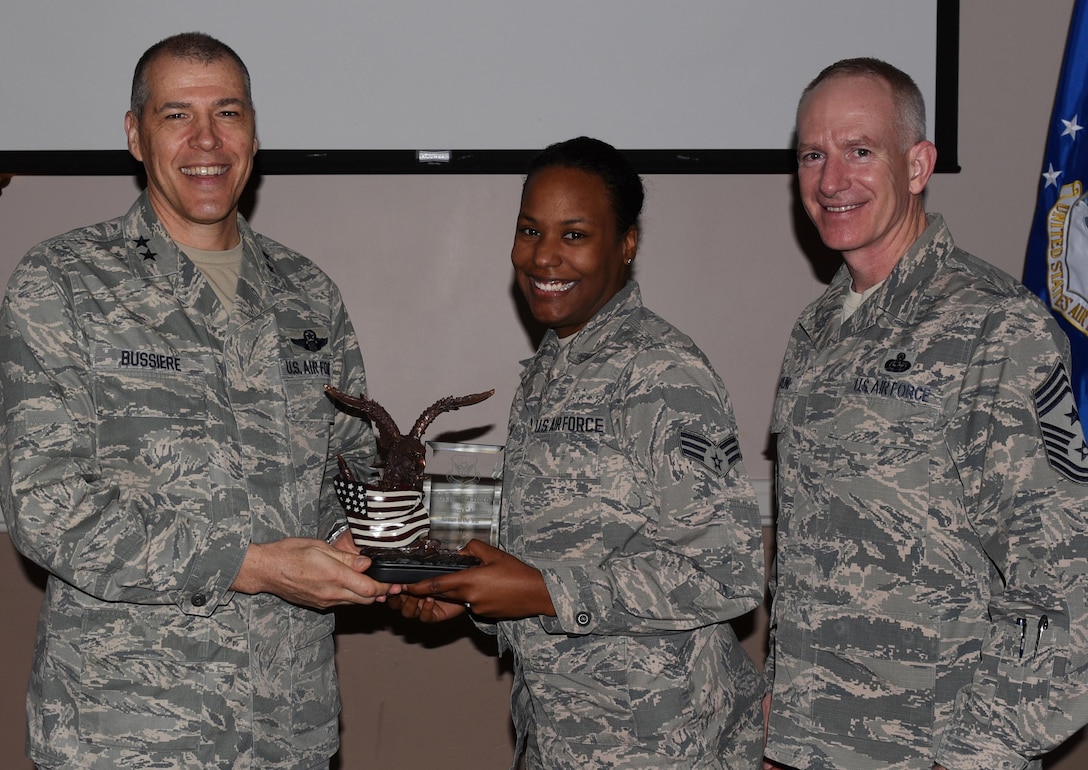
(1057,260)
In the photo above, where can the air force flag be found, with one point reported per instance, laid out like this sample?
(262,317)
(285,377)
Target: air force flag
(1056,268)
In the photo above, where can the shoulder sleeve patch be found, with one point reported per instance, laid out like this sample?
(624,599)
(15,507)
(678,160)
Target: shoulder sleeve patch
(1059,421)
(718,457)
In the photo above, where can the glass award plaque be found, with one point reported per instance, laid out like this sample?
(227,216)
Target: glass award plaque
(463,492)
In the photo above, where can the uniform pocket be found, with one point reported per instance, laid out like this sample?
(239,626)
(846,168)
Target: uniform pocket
(305,362)
(135,692)
(1024,676)
(556,479)
(872,419)
(784,401)
(561,455)
(303,386)
(874,675)
(580,684)
(315,695)
(150,382)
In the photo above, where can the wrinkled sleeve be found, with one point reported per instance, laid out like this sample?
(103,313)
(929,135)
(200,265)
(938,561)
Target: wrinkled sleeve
(699,560)
(1030,691)
(63,512)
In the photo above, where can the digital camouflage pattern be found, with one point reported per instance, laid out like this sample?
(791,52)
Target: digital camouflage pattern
(148,437)
(647,549)
(931,570)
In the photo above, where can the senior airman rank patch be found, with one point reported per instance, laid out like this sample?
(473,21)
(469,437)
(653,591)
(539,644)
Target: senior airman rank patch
(1063,436)
(719,458)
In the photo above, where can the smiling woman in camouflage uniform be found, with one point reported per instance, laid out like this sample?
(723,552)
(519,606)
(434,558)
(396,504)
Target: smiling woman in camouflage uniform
(630,533)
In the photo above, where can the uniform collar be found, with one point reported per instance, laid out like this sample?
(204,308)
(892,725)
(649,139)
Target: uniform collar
(153,254)
(902,296)
(601,327)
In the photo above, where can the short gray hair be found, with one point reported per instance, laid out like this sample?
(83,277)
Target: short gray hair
(910,106)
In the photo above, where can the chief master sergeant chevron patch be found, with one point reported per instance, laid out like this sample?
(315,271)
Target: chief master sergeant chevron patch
(1063,436)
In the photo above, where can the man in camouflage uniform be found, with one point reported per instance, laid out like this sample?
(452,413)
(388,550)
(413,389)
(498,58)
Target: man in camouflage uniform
(167,457)
(930,607)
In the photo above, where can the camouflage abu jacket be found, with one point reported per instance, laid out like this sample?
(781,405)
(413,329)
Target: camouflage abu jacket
(623,484)
(933,537)
(148,437)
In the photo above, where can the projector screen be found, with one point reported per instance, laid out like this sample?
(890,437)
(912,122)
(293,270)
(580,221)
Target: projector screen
(362,86)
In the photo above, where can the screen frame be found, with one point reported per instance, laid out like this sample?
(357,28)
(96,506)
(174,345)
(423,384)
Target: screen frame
(485,161)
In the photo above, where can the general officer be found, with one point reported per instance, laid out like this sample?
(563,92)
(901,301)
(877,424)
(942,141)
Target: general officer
(167,456)
(931,608)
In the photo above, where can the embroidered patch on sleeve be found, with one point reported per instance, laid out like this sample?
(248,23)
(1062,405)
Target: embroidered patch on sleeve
(1063,436)
(310,341)
(719,458)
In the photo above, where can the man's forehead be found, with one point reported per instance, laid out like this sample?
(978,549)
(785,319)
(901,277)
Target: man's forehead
(850,91)
(843,104)
(170,75)
(169,67)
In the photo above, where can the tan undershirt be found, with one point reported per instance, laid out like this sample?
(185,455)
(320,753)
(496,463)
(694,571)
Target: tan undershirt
(221,268)
(853,301)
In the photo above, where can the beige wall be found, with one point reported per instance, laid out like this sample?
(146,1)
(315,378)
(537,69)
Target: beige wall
(423,263)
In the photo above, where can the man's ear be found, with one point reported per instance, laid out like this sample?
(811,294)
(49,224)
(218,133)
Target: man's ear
(132,131)
(922,159)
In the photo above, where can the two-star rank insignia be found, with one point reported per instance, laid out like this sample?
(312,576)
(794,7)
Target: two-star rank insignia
(310,341)
(1063,436)
(143,243)
(719,458)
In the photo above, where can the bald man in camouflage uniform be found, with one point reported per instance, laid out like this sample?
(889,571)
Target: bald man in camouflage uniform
(624,486)
(930,607)
(167,456)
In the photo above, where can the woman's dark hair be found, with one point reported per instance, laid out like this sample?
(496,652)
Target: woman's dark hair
(593,156)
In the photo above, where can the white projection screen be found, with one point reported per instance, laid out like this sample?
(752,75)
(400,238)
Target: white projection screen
(470,86)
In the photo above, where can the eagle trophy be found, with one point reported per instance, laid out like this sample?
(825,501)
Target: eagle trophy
(404,454)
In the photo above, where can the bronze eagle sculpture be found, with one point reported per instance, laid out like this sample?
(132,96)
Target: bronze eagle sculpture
(404,454)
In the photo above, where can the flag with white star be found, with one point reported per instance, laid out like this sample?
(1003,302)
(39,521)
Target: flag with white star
(1056,267)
